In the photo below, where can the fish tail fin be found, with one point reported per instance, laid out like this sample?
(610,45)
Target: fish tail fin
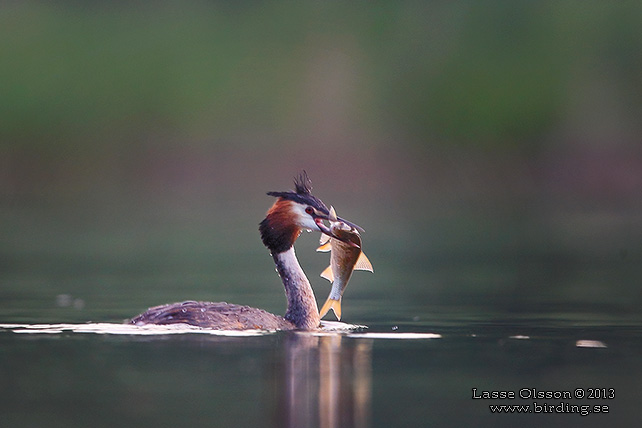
(333,304)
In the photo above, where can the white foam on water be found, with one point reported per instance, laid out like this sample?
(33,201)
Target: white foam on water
(338,326)
(328,328)
(396,335)
(585,343)
(126,329)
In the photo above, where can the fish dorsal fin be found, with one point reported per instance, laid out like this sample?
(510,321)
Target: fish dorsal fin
(324,239)
(325,247)
(333,214)
(327,274)
(363,263)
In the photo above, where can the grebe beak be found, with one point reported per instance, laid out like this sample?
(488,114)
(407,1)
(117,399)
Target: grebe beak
(349,223)
(332,217)
(322,227)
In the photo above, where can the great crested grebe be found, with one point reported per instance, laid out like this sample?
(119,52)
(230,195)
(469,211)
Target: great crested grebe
(291,213)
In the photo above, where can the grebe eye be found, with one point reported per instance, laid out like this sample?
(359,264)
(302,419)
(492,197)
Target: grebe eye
(309,210)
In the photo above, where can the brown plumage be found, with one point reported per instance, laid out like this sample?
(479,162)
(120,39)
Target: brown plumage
(219,315)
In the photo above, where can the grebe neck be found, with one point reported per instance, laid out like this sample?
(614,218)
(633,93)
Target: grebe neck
(302,306)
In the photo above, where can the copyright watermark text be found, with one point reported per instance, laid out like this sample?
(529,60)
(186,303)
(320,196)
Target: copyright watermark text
(567,401)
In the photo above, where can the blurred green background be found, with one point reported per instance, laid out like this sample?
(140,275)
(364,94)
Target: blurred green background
(491,150)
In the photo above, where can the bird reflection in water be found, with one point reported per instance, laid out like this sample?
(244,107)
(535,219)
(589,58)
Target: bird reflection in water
(327,382)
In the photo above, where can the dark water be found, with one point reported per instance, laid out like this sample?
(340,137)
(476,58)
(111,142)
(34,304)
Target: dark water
(515,319)
(296,380)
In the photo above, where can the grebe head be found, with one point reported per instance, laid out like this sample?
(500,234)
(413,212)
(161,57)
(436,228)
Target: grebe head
(294,211)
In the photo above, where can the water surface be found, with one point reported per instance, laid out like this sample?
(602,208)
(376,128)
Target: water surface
(444,316)
(101,374)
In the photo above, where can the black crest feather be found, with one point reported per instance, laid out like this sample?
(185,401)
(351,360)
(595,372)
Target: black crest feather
(302,184)
(302,193)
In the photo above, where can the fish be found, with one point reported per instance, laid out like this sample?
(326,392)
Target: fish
(345,257)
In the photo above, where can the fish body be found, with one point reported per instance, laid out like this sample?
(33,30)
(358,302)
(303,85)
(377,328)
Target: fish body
(344,259)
